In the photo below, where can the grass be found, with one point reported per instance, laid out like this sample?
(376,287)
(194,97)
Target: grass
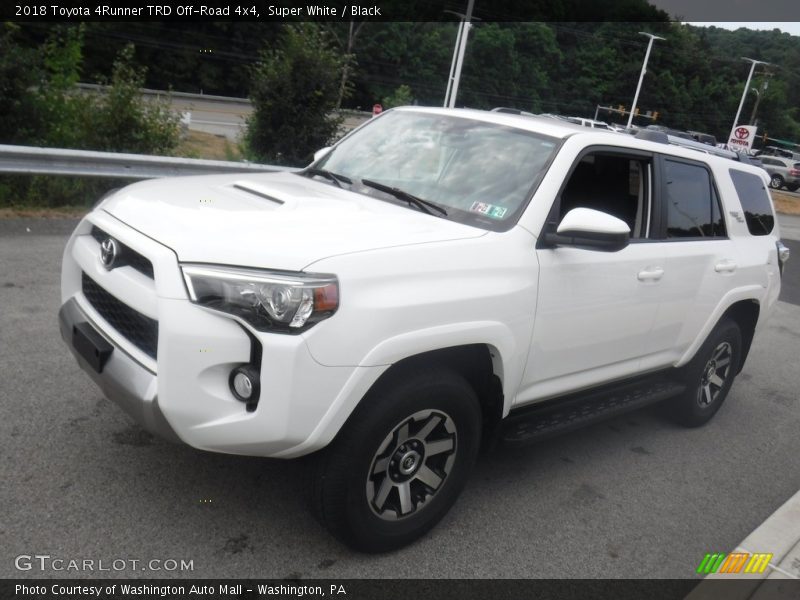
(197,144)
(786,204)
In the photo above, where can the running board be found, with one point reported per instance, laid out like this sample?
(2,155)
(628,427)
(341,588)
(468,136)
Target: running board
(542,421)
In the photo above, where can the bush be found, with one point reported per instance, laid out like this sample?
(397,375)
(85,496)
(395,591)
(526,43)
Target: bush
(121,121)
(294,91)
(46,109)
(402,96)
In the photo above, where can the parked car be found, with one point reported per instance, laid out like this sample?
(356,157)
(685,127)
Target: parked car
(436,281)
(782,172)
(776,151)
(589,123)
(705,138)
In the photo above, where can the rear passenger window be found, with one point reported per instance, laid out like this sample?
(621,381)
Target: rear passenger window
(754,196)
(692,204)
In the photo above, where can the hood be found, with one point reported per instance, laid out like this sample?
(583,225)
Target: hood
(275,220)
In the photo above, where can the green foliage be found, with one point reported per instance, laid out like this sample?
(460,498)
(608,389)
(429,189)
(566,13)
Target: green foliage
(402,96)
(46,109)
(18,73)
(294,91)
(121,121)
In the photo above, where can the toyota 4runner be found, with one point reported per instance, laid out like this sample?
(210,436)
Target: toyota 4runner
(436,280)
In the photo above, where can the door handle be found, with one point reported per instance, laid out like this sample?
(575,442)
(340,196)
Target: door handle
(650,274)
(725,266)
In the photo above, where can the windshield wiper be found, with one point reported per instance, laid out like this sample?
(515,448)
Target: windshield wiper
(423,205)
(334,177)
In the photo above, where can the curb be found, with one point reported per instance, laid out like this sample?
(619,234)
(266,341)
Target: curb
(779,536)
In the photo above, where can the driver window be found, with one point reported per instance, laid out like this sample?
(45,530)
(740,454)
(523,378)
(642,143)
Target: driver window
(614,184)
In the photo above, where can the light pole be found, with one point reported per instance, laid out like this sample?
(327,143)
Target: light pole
(458,58)
(453,62)
(764,87)
(746,87)
(644,70)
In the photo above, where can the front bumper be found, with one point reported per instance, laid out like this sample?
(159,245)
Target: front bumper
(123,380)
(180,389)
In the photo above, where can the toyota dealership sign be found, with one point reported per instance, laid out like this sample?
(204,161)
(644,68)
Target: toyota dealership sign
(741,138)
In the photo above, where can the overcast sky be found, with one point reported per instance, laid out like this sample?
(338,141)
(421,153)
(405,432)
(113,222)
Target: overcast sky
(791,27)
(751,12)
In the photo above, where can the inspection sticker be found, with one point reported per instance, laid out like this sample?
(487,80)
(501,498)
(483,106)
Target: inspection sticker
(490,210)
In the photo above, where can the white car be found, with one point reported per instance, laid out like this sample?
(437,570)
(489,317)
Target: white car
(437,279)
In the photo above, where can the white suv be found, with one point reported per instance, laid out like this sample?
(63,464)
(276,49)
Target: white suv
(436,280)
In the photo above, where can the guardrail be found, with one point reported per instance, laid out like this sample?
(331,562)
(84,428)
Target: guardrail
(31,160)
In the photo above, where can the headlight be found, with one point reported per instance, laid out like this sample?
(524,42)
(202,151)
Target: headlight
(267,300)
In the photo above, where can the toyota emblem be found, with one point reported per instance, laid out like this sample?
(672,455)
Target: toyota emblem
(109,251)
(741,133)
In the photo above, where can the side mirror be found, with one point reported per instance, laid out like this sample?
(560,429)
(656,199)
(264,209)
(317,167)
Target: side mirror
(590,229)
(321,153)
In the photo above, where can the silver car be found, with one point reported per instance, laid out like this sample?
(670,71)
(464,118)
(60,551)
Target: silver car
(782,172)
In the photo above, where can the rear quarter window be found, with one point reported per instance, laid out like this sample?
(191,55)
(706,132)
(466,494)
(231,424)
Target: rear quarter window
(755,200)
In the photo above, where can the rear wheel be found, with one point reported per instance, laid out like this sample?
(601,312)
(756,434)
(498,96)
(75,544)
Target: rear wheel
(793,187)
(400,462)
(776,182)
(709,375)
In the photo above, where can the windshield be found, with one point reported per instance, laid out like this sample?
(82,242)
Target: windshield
(481,173)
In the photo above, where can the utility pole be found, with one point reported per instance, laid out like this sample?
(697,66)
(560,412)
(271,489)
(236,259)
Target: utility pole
(746,87)
(458,58)
(641,75)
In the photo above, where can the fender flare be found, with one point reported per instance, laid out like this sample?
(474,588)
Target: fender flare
(750,292)
(496,335)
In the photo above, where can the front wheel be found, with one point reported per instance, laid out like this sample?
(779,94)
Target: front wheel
(400,462)
(776,182)
(709,375)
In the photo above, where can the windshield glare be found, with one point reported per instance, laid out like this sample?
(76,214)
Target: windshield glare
(483,170)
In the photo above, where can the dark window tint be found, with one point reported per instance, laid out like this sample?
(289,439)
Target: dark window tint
(692,207)
(755,201)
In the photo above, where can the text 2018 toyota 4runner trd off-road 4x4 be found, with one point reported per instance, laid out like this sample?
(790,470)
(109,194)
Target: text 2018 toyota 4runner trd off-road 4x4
(437,279)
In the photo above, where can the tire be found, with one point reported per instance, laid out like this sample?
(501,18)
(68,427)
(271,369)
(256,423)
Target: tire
(793,187)
(776,182)
(709,375)
(376,492)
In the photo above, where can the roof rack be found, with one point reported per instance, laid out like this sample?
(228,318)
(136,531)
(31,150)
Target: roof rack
(664,138)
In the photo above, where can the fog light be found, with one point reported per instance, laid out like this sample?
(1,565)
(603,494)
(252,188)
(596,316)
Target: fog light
(245,385)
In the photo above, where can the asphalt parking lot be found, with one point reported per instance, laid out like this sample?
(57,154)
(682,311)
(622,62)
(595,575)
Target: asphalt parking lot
(632,497)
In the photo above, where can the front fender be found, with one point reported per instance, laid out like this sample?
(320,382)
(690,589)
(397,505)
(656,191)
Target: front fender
(508,364)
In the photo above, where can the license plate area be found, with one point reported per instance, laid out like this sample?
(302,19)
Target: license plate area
(91,346)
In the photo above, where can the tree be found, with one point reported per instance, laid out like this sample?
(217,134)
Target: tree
(18,73)
(294,89)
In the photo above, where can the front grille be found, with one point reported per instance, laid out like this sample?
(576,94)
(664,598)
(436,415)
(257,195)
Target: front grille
(128,256)
(140,330)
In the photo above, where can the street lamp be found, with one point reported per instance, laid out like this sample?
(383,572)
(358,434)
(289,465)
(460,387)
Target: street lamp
(458,58)
(746,86)
(644,70)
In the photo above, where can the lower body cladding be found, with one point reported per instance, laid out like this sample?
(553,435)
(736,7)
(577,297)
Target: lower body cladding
(190,398)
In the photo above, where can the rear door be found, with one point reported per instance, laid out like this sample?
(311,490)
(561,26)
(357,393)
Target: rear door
(700,260)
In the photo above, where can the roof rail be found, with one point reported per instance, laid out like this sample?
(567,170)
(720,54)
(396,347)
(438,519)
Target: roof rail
(662,137)
(512,111)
